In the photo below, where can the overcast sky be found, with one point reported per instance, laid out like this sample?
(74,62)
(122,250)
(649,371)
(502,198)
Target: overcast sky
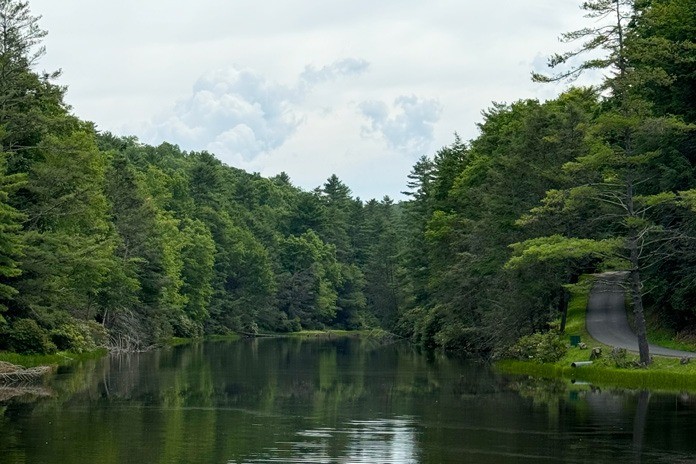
(357,88)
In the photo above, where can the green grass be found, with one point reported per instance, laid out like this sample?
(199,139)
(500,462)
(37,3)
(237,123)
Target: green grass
(667,338)
(664,374)
(60,358)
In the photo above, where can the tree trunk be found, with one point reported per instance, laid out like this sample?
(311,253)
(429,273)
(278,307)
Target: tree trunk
(637,297)
(635,282)
(565,297)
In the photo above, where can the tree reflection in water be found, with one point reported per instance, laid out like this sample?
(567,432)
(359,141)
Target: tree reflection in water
(333,401)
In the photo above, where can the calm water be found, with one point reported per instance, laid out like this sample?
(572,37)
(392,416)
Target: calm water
(332,401)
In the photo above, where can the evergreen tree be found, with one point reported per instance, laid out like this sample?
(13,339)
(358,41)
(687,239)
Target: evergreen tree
(10,237)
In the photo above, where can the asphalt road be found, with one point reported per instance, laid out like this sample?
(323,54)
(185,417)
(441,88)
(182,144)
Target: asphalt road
(607,321)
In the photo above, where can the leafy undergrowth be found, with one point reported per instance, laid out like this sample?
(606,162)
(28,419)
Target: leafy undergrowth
(664,374)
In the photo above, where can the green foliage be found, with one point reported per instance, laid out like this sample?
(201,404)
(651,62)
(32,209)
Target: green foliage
(546,347)
(25,336)
(79,336)
(198,260)
(557,247)
(10,237)
(310,282)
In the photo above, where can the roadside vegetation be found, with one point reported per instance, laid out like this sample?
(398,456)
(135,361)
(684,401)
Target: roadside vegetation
(553,359)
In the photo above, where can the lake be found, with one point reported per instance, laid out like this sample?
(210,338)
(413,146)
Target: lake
(340,400)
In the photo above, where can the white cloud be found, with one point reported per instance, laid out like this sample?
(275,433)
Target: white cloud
(234,112)
(407,126)
(238,114)
(342,68)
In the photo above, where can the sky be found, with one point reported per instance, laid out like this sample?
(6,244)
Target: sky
(360,89)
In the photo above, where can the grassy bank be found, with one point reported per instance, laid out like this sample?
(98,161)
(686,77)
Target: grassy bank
(669,339)
(664,374)
(60,358)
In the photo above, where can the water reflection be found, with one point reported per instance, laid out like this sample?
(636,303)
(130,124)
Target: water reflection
(386,441)
(332,401)
(639,424)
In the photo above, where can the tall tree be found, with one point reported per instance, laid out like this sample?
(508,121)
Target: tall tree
(10,236)
(382,266)
(661,49)
(607,36)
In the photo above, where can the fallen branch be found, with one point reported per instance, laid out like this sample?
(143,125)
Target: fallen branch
(11,374)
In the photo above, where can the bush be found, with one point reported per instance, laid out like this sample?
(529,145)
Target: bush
(455,336)
(619,356)
(79,336)
(185,327)
(25,336)
(546,347)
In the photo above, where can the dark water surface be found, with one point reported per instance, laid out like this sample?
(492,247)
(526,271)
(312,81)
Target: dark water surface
(333,401)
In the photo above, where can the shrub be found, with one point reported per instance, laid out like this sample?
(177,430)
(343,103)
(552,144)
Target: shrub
(542,347)
(185,327)
(79,336)
(620,358)
(456,336)
(25,336)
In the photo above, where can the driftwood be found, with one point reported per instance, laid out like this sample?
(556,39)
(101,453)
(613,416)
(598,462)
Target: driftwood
(11,374)
(126,345)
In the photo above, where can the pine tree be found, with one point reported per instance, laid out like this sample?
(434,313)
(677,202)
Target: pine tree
(10,236)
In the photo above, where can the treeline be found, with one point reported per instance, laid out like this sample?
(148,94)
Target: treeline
(108,241)
(597,179)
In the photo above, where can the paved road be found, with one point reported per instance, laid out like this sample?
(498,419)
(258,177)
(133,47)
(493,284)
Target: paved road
(607,321)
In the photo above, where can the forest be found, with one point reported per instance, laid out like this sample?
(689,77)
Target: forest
(109,242)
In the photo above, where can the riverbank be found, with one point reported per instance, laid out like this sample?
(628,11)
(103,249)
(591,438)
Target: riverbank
(664,374)
(60,358)
(328,333)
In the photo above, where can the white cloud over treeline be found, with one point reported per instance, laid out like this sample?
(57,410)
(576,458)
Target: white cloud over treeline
(408,125)
(239,114)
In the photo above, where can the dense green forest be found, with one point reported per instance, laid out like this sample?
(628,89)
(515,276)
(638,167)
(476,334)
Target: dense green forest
(106,241)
